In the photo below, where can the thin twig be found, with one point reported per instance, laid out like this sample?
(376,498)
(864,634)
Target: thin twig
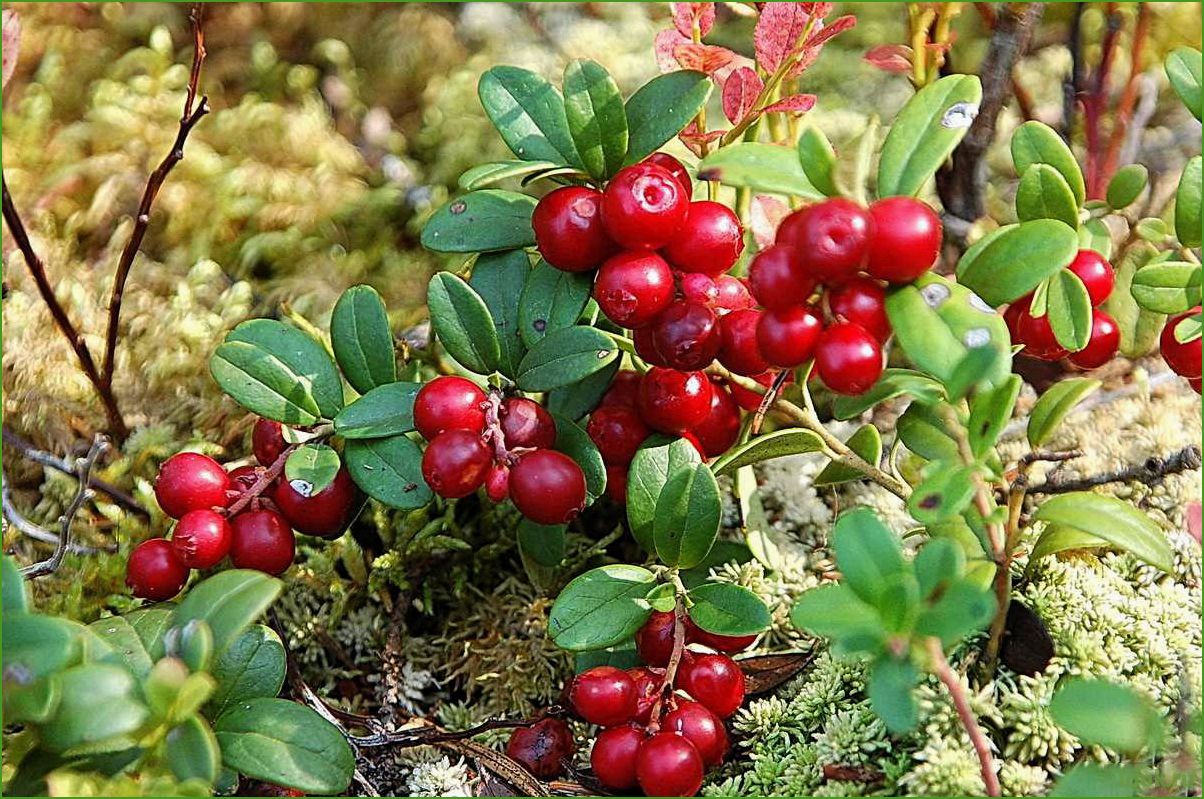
(978,739)
(1152,471)
(83,469)
(679,647)
(1041,456)
(767,401)
(30,529)
(51,461)
(1123,116)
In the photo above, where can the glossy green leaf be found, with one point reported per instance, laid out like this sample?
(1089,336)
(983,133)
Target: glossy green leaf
(647,475)
(498,278)
(938,563)
(384,411)
(963,609)
(482,175)
(572,440)
(894,382)
(990,412)
(687,517)
(481,221)
(943,494)
(192,751)
(1127,185)
(925,434)
(32,702)
(252,667)
(818,158)
(833,610)
(1056,538)
(1055,405)
(310,468)
(529,114)
(776,444)
(597,120)
(1010,262)
(661,108)
(1139,328)
(925,132)
(362,340)
(1095,235)
(1114,520)
(13,586)
(564,357)
(1099,779)
(1068,306)
(389,470)
(1183,70)
(121,635)
(1167,287)
(899,602)
(1189,328)
(1044,194)
(578,399)
(543,543)
(463,323)
(36,646)
(99,708)
(151,624)
(1106,714)
(1037,143)
(551,300)
(763,167)
(866,441)
(867,553)
(601,607)
(622,656)
(228,602)
(1187,204)
(728,609)
(890,686)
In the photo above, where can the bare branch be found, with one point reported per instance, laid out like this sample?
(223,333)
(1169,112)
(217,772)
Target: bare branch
(51,461)
(28,528)
(982,747)
(1151,472)
(83,471)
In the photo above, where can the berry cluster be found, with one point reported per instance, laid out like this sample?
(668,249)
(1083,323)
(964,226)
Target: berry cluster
(1036,332)
(249,514)
(502,443)
(1183,357)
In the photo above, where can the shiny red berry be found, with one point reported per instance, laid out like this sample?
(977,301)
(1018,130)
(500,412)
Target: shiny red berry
(1197,385)
(776,281)
(632,288)
(698,288)
(700,727)
(542,747)
(714,680)
(788,337)
(848,359)
(244,478)
(191,481)
(654,641)
(1182,357)
(648,684)
(906,239)
(1103,344)
(717,433)
(1034,332)
(267,441)
(831,239)
(261,539)
(645,347)
(526,423)
(497,483)
(728,644)
(686,335)
(604,695)
(617,431)
(1096,273)
(644,206)
(709,242)
(201,538)
(569,231)
(733,294)
(616,484)
(613,756)
(863,302)
(449,403)
(675,168)
(547,487)
(325,514)
(154,571)
(668,765)
(455,463)
(738,348)
(673,401)
(624,389)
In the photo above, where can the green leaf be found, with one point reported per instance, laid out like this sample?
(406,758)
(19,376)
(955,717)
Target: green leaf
(118,633)
(1095,235)
(99,708)
(662,597)
(890,687)
(1127,185)
(601,607)
(1106,714)
(284,743)
(866,441)
(482,175)
(974,371)
(575,401)
(661,108)
(1010,262)
(597,120)
(1037,143)
(990,411)
(481,221)
(36,646)
(384,411)
(687,517)
(894,382)
(310,468)
(727,609)
(499,278)
(1167,287)
(1055,405)
(529,114)
(963,608)
(362,340)
(32,703)
(925,133)
(867,553)
(573,441)
(1096,779)
(389,470)
(938,563)
(853,169)
(818,158)
(278,372)
(1111,519)
(1189,328)
(777,444)
(252,667)
(1055,539)
(151,625)
(228,602)
(1044,194)
(943,494)
(543,543)
(650,469)
(1139,328)
(192,751)
(1069,308)
(623,656)
(551,300)
(1183,70)
(463,323)
(925,434)
(1187,204)
(832,611)
(763,167)
(13,586)
(564,357)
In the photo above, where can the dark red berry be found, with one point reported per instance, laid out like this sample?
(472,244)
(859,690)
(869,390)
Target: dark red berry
(526,423)
(788,337)
(191,481)
(604,696)
(547,486)
(906,240)
(632,288)
(668,765)
(543,747)
(325,514)
(1034,332)
(261,539)
(717,433)
(733,294)
(1103,344)
(714,680)
(244,478)
(831,239)
(449,403)
(698,288)
(700,727)
(848,359)
(709,242)
(497,483)
(686,335)
(624,389)
(675,168)
(646,348)
(728,644)
(648,685)
(1096,273)
(644,206)
(616,483)
(1197,385)
(738,349)
(154,571)
(1182,357)
(201,538)
(569,231)
(654,641)
(617,431)
(613,756)
(455,463)
(267,441)
(776,281)
(863,302)
(673,401)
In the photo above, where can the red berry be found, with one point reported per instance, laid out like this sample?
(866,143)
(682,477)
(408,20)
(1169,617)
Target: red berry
(569,231)
(617,432)
(201,538)
(1196,384)
(693,439)
(720,429)
(261,539)
(644,206)
(267,441)
(751,400)
(714,680)
(604,695)
(632,288)
(788,337)
(863,302)
(709,242)
(775,279)
(700,727)
(449,403)
(738,349)
(848,359)
(646,348)
(1034,332)
(668,765)
(654,641)
(616,483)
(455,463)
(1103,344)
(648,685)
(542,747)
(624,389)
(154,571)
(526,423)
(244,478)
(733,294)
(728,644)
(673,401)
(325,514)
(686,335)
(497,483)
(613,756)
(1096,273)
(191,481)
(547,486)
(831,239)
(1182,357)
(699,288)
(906,240)
(675,168)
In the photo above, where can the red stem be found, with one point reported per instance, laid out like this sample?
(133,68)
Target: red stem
(679,647)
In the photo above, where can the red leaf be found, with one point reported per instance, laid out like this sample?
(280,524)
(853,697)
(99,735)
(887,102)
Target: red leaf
(664,45)
(1193,520)
(706,58)
(838,25)
(778,31)
(694,140)
(794,104)
(686,14)
(820,10)
(740,92)
(12,43)
(890,57)
(764,216)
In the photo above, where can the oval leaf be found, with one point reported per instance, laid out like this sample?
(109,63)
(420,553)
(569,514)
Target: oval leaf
(727,609)
(1187,205)
(564,357)
(543,543)
(1044,194)
(575,401)
(484,175)
(1055,405)
(1183,70)
(529,114)
(310,468)
(764,167)
(228,602)
(867,552)
(778,444)
(1167,287)
(1068,306)
(98,707)
(597,120)
(661,108)
(1127,185)
(1037,143)
(499,279)
(925,132)
(463,323)
(362,340)
(1113,520)
(650,469)
(1106,714)
(1010,262)
(481,221)
(601,607)
(573,441)
(252,666)
(866,441)
(818,158)
(192,751)
(551,300)
(389,470)
(384,411)
(687,518)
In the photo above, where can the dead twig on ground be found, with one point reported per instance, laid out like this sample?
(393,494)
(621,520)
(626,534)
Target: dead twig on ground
(83,470)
